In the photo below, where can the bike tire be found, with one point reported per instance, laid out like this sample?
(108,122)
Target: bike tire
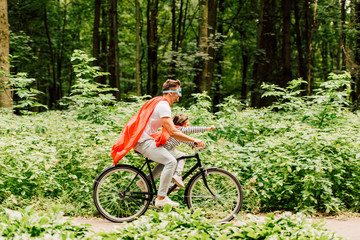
(117,196)
(226,188)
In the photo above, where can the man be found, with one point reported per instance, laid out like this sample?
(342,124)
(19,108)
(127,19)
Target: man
(137,134)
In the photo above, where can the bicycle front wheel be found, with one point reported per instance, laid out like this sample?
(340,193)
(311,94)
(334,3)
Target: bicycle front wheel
(120,193)
(220,198)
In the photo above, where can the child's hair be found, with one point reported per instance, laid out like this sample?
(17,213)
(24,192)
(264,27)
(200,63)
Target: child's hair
(180,119)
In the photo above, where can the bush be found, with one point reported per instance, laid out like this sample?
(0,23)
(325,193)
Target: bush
(283,160)
(26,224)
(176,224)
(180,224)
(89,99)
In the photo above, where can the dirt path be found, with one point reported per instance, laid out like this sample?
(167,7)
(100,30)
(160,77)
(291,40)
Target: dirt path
(346,227)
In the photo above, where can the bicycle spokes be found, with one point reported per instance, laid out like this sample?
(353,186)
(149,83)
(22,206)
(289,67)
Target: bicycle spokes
(117,195)
(220,197)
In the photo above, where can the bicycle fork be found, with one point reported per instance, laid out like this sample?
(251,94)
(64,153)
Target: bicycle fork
(204,174)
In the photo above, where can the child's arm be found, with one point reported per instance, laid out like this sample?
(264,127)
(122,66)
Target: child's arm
(195,129)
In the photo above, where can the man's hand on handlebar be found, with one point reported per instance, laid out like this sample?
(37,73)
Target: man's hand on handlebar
(199,143)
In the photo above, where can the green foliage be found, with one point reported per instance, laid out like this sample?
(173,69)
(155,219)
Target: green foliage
(180,224)
(287,99)
(89,98)
(20,84)
(168,224)
(20,48)
(283,160)
(55,161)
(320,108)
(286,226)
(26,224)
(331,97)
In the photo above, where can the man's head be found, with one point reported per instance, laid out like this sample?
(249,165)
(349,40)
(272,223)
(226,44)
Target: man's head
(172,90)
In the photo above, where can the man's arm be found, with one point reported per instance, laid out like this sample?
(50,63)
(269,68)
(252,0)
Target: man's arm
(168,124)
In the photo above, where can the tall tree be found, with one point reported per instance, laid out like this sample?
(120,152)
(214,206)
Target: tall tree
(286,74)
(219,55)
(265,65)
(342,33)
(173,37)
(51,65)
(137,55)
(298,39)
(96,34)
(5,96)
(207,26)
(113,57)
(60,55)
(355,94)
(311,23)
(103,56)
(152,42)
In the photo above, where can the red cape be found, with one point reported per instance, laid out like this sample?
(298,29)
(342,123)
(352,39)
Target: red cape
(133,129)
(162,136)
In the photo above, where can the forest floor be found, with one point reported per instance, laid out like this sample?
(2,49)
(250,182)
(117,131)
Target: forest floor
(345,226)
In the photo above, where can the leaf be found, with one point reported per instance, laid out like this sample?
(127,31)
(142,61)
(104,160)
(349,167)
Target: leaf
(167,208)
(197,213)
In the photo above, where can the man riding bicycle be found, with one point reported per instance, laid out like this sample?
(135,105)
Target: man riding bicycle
(137,134)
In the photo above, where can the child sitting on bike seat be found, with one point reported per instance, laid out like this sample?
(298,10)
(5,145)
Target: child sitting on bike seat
(181,122)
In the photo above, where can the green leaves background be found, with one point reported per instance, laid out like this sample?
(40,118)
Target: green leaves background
(283,163)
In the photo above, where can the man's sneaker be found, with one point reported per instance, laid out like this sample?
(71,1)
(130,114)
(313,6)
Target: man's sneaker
(177,179)
(140,183)
(166,200)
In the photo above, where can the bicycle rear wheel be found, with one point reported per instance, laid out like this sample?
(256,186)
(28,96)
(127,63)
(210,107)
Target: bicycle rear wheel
(120,193)
(225,198)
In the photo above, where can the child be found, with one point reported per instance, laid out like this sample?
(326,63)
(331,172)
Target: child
(181,122)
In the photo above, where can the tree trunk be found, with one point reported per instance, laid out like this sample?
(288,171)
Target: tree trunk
(343,35)
(212,8)
(181,23)
(103,56)
(5,95)
(286,43)
(219,57)
(96,35)
(61,55)
(207,26)
(138,80)
(113,58)
(152,41)
(265,66)
(53,86)
(309,45)
(173,38)
(324,55)
(355,86)
(244,84)
(299,45)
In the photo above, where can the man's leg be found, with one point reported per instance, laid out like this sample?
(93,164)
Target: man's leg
(180,163)
(179,167)
(162,156)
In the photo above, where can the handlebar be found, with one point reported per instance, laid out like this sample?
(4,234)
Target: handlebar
(197,149)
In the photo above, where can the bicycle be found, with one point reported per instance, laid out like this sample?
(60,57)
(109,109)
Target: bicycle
(118,198)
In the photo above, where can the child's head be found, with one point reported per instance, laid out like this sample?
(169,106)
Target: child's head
(181,120)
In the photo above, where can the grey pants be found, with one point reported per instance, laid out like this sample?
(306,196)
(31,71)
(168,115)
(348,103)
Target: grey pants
(167,162)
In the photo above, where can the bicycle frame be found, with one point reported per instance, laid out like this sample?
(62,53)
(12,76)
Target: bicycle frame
(193,169)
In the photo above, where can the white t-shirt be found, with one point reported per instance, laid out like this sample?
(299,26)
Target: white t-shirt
(161,110)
